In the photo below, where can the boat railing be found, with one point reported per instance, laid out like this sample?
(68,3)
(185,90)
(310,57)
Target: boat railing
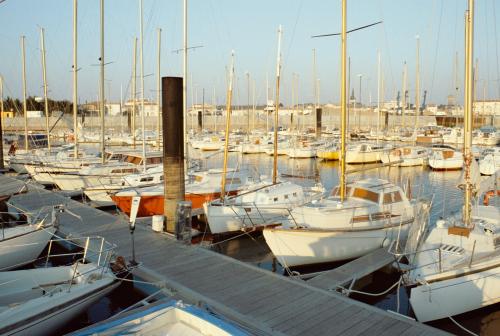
(94,248)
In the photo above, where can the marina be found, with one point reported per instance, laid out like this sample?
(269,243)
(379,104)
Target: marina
(217,201)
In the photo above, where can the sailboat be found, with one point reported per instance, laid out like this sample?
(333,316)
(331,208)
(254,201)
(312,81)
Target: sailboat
(262,203)
(454,268)
(355,219)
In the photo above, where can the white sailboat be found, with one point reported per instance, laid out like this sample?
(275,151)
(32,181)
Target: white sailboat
(406,156)
(356,219)
(263,203)
(455,267)
(41,301)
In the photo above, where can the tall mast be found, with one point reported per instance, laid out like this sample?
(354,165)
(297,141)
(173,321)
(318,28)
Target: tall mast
(403,107)
(379,81)
(248,105)
(101,84)
(143,119)
(134,92)
(1,122)
(343,103)
(44,75)
(184,81)
(158,90)
(468,106)
(277,105)
(417,86)
(456,80)
(25,108)
(228,125)
(253,103)
(75,78)
(215,112)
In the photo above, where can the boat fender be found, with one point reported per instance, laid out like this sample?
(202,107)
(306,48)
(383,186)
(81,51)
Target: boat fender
(488,195)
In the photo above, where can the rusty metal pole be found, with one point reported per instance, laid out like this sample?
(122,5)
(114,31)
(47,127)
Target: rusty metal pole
(173,147)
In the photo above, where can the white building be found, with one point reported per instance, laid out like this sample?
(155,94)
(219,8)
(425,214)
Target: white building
(34,114)
(487,107)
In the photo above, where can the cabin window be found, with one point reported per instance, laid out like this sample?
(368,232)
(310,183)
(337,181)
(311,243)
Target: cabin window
(363,148)
(365,194)
(161,177)
(387,198)
(294,194)
(147,179)
(286,196)
(276,199)
(393,197)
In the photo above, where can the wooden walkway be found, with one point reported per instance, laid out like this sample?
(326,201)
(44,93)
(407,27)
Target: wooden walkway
(352,271)
(263,302)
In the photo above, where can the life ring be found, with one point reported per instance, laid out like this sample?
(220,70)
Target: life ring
(489,194)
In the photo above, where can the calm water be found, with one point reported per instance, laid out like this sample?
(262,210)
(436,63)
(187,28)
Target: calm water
(441,186)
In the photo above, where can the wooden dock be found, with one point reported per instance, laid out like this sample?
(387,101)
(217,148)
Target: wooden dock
(262,302)
(350,272)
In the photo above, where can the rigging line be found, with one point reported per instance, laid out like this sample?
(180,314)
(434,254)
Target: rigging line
(496,45)
(436,52)
(453,84)
(487,49)
(299,10)
(386,41)
(349,31)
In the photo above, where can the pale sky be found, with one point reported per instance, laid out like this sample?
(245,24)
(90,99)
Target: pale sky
(250,29)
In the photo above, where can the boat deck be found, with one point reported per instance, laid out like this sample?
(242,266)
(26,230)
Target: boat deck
(263,302)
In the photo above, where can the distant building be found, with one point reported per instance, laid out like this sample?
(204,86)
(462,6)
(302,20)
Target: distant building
(487,107)
(7,114)
(34,114)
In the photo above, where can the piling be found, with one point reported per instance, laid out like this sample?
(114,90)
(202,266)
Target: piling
(319,112)
(200,121)
(173,147)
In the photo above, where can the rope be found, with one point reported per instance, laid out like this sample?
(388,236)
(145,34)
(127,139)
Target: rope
(462,327)
(398,283)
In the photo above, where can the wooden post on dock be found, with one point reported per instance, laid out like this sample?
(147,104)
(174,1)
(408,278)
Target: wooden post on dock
(173,147)
(319,126)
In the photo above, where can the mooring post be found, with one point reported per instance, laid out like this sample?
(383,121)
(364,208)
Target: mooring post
(173,147)
(319,112)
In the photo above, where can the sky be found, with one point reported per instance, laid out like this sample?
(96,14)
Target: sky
(250,29)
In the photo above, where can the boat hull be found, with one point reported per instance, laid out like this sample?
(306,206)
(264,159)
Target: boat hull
(455,296)
(297,247)
(24,247)
(153,205)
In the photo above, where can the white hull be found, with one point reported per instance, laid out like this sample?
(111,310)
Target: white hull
(301,153)
(455,296)
(303,247)
(23,245)
(18,167)
(446,164)
(37,314)
(362,157)
(100,196)
(406,161)
(223,219)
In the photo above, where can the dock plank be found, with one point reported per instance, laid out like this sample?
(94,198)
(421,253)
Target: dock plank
(352,270)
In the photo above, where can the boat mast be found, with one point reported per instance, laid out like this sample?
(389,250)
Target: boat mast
(25,109)
(417,85)
(101,84)
(343,103)
(44,75)
(277,105)
(75,79)
(134,92)
(184,82)
(158,90)
(228,124)
(403,107)
(143,119)
(379,80)
(469,100)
